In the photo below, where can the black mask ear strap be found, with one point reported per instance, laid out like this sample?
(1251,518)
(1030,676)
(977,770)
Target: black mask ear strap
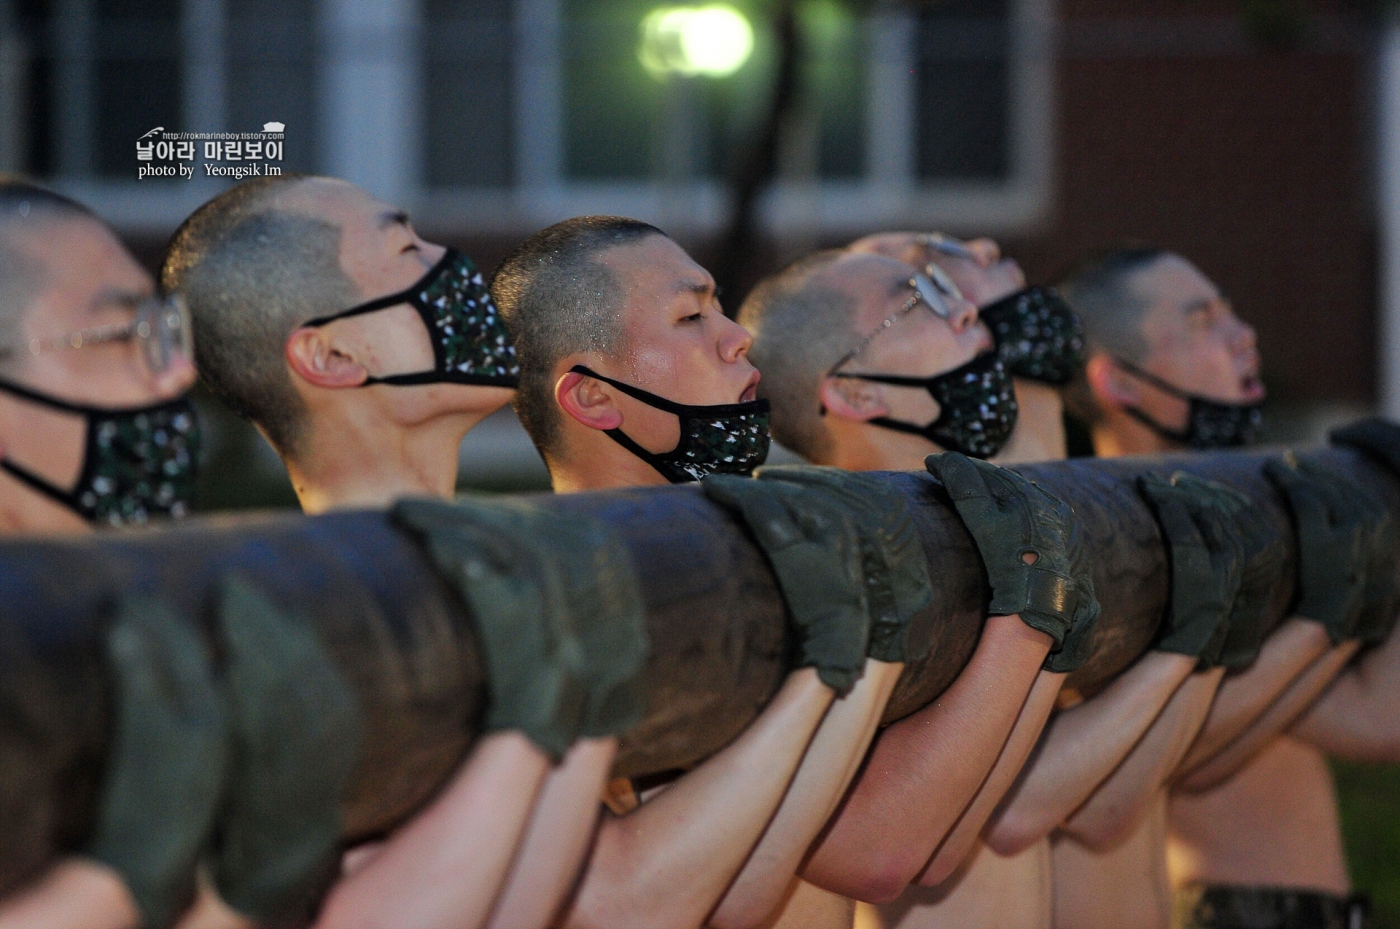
(1152,379)
(38,484)
(636,393)
(434,377)
(53,403)
(656,461)
(1171,435)
(407,295)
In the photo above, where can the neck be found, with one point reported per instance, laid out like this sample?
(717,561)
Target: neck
(1118,434)
(1040,427)
(863,447)
(589,460)
(370,464)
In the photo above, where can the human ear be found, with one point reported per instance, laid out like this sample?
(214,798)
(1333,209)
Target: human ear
(1110,386)
(586,402)
(315,359)
(849,398)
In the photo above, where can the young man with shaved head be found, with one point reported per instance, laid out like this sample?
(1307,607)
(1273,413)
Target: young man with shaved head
(792,316)
(93,368)
(632,376)
(1172,368)
(364,354)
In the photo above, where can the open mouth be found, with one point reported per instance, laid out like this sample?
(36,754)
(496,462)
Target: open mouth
(750,391)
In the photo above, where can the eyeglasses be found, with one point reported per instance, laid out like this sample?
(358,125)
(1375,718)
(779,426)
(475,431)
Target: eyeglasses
(161,327)
(934,290)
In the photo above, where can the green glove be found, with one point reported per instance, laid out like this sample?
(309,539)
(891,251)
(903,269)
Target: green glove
(167,762)
(1335,520)
(558,610)
(1377,438)
(602,598)
(1008,516)
(1381,596)
(896,573)
(295,741)
(815,552)
(1080,638)
(1207,563)
(1265,552)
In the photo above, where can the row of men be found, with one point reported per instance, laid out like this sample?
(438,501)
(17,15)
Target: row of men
(364,354)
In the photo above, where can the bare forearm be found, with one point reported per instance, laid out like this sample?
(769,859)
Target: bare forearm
(446,867)
(1114,810)
(1081,747)
(1244,697)
(74,894)
(1358,717)
(556,841)
(1281,714)
(1029,724)
(668,862)
(924,770)
(826,771)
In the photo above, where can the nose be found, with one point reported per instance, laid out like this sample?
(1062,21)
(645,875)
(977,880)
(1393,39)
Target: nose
(734,340)
(1243,338)
(961,313)
(177,378)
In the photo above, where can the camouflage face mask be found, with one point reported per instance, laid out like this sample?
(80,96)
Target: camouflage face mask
(977,405)
(1038,336)
(470,342)
(139,463)
(726,438)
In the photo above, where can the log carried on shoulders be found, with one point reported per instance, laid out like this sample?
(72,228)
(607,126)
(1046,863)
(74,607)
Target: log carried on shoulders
(404,643)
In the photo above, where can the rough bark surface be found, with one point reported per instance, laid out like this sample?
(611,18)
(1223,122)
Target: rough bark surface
(714,614)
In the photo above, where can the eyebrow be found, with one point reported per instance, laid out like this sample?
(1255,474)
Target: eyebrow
(113,296)
(393,217)
(699,288)
(1196,306)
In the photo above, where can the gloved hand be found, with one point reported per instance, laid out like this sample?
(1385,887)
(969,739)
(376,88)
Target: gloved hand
(1008,517)
(815,552)
(1377,438)
(1381,597)
(1265,551)
(1085,620)
(556,606)
(295,741)
(167,761)
(601,596)
(1207,563)
(896,575)
(1336,520)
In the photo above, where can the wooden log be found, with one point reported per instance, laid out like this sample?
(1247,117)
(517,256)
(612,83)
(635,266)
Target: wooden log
(405,643)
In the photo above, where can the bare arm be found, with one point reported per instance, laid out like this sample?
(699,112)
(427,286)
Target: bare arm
(1029,724)
(446,866)
(1244,697)
(1081,747)
(1279,716)
(76,893)
(825,773)
(668,862)
(1358,717)
(925,769)
(1118,805)
(556,842)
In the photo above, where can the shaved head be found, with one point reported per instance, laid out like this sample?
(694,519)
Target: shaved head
(801,321)
(254,264)
(558,300)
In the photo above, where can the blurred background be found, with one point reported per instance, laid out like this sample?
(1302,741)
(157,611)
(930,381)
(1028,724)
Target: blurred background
(1259,138)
